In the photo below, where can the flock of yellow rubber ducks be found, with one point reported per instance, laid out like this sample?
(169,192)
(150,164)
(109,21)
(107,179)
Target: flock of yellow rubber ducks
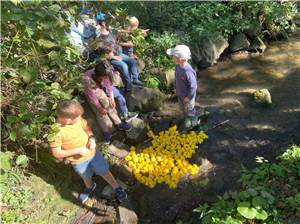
(165,161)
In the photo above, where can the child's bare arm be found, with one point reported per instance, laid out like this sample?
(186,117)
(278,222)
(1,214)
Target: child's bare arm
(92,142)
(58,153)
(87,130)
(126,43)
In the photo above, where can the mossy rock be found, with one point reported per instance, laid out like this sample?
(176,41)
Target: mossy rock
(262,97)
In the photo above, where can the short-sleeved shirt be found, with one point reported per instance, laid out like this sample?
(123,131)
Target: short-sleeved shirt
(71,137)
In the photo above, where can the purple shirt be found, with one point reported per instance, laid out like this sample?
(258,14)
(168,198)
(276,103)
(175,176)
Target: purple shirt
(185,81)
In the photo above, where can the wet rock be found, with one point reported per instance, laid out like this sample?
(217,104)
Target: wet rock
(138,132)
(127,216)
(258,45)
(241,55)
(144,99)
(239,42)
(262,96)
(206,52)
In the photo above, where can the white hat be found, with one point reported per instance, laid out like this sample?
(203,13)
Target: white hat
(180,51)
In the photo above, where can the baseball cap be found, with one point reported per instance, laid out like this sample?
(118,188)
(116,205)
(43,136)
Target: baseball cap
(100,16)
(180,51)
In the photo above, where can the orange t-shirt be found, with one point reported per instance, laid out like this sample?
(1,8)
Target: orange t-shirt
(71,137)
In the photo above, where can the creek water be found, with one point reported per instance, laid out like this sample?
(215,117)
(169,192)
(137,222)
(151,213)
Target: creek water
(225,90)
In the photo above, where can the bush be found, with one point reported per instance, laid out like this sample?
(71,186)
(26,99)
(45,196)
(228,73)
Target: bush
(270,193)
(39,68)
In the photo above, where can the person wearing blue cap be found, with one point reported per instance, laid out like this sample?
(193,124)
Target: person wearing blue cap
(100,16)
(123,63)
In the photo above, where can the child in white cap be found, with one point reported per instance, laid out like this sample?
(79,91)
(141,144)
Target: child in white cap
(185,83)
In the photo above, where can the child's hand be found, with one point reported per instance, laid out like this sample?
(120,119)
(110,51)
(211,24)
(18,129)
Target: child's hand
(91,144)
(84,151)
(112,102)
(129,44)
(186,100)
(102,111)
(145,32)
(117,57)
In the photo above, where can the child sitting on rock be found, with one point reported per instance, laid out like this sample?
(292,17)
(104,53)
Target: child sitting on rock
(124,36)
(99,93)
(76,143)
(185,83)
(125,65)
(104,52)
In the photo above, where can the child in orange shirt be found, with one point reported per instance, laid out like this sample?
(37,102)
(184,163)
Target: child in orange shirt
(76,143)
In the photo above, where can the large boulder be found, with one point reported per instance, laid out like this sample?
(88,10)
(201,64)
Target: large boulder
(144,99)
(239,42)
(262,96)
(207,51)
(138,132)
(166,77)
(127,216)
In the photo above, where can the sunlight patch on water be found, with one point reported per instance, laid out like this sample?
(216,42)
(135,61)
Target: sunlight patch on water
(262,127)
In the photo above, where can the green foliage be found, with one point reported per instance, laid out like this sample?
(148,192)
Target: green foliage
(158,44)
(15,197)
(105,151)
(274,18)
(152,82)
(38,67)
(214,19)
(270,194)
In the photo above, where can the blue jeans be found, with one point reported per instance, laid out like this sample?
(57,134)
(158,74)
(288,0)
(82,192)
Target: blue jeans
(128,51)
(126,67)
(120,100)
(96,164)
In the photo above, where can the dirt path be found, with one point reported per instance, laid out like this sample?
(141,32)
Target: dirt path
(225,91)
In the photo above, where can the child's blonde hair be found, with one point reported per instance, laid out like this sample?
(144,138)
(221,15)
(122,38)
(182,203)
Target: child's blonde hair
(133,20)
(69,109)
